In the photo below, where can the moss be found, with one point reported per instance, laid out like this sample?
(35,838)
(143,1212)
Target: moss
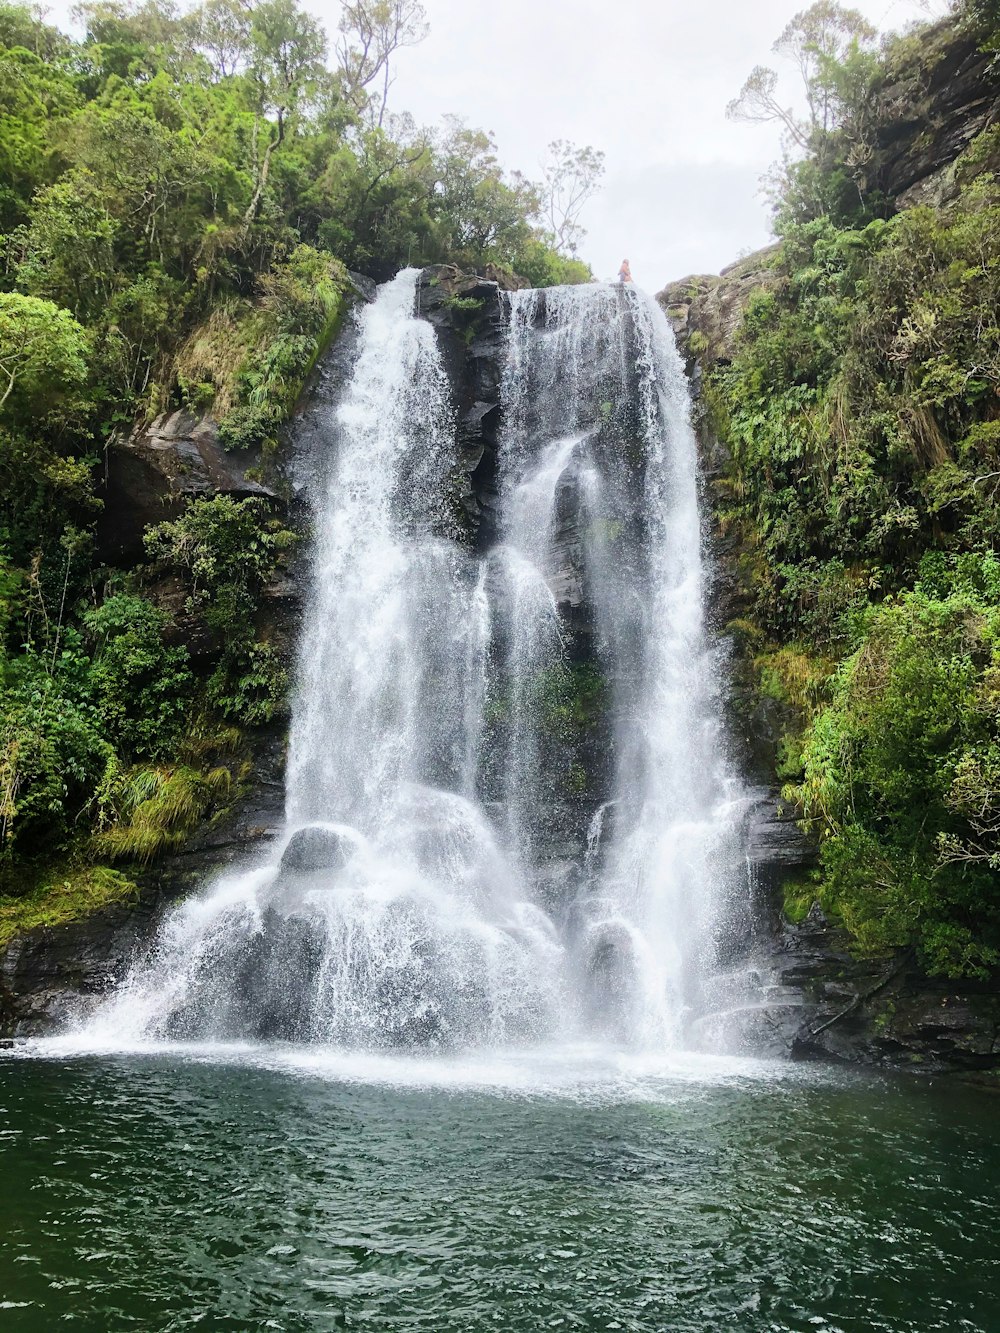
(799,897)
(714,411)
(465,309)
(571,699)
(327,336)
(794,675)
(465,304)
(883,1019)
(698,342)
(746,632)
(606,530)
(61,895)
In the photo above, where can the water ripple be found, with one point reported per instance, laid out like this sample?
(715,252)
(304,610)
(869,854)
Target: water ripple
(167,1192)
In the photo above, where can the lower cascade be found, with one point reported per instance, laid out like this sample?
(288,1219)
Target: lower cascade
(509,813)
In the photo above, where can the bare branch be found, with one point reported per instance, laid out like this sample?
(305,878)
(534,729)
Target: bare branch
(572,176)
(372,31)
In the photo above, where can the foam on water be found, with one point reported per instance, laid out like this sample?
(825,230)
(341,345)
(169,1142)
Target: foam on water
(577,1071)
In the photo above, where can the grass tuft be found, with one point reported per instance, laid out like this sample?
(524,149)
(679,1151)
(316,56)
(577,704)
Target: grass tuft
(152,810)
(66,893)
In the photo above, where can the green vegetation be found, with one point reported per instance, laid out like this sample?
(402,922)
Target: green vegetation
(225,551)
(901,770)
(570,699)
(862,411)
(152,810)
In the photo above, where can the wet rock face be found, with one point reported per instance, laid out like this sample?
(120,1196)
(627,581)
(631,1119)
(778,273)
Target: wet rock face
(878,1011)
(50,974)
(468,313)
(817,1000)
(774,842)
(260,987)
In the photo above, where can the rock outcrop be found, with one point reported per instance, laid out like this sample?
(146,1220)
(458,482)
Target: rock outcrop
(149,476)
(467,313)
(881,1012)
(928,112)
(706,309)
(315,848)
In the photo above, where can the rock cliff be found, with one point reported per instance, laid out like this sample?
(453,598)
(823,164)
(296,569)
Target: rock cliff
(820,1002)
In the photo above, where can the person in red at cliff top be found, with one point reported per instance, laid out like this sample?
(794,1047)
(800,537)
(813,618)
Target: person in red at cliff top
(624,273)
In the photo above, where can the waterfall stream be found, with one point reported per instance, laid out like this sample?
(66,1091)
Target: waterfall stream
(509,812)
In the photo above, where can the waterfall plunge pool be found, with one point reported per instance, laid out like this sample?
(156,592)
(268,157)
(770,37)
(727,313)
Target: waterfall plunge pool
(239,1188)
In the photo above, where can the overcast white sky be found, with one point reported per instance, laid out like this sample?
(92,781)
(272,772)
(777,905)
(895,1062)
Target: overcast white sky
(646,81)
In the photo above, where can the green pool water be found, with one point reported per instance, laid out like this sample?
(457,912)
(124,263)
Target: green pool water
(236,1190)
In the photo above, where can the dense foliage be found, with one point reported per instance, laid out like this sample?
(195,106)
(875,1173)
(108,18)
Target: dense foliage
(862,410)
(182,195)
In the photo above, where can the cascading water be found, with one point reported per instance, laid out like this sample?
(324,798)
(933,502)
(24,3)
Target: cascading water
(507,799)
(597,407)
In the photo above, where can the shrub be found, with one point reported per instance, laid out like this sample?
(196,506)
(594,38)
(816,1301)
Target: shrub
(899,776)
(142,687)
(228,549)
(53,752)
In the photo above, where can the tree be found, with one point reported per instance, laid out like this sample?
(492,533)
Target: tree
(378,198)
(42,355)
(817,40)
(287,67)
(372,31)
(21,26)
(571,176)
(123,36)
(483,216)
(36,93)
(220,31)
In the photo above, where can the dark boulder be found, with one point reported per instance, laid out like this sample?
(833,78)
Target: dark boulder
(315,848)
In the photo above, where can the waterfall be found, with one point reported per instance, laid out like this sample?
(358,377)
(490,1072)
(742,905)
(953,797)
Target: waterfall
(507,813)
